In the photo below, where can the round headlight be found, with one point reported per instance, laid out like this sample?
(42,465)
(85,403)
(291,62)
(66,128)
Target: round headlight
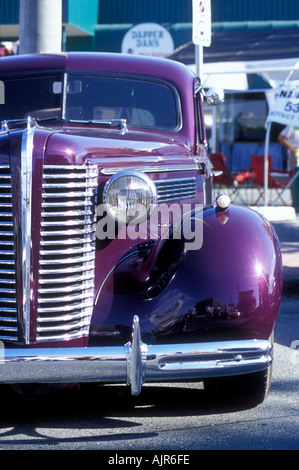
(130,195)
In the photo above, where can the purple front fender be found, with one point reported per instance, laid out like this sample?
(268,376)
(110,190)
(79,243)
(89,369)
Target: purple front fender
(229,289)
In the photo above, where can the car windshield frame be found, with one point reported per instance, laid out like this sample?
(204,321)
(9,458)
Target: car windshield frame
(117,94)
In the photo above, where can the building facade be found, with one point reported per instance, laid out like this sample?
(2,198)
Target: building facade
(102,24)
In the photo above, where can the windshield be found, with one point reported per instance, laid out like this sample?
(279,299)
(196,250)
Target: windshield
(142,102)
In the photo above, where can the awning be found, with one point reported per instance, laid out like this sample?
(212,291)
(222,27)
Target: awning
(244,45)
(236,54)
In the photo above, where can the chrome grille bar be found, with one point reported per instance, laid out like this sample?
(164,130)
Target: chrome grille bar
(67,252)
(176,189)
(8,302)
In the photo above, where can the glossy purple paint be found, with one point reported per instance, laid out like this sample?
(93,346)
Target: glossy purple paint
(230,288)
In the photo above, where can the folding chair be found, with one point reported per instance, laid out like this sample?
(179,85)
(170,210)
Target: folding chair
(225,179)
(218,161)
(258,171)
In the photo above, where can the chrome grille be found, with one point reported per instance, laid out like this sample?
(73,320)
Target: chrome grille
(8,303)
(67,252)
(176,189)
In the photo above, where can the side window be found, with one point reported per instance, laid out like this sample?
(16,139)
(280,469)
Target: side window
(33,96)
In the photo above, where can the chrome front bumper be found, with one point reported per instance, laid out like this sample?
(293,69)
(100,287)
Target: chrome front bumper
(134,363)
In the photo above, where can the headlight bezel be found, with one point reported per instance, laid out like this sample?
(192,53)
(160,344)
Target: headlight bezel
(149,186)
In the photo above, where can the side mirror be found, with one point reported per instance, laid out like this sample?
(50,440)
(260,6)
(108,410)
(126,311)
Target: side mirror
(214,96)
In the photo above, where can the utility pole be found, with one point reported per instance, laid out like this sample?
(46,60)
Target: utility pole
(40,26)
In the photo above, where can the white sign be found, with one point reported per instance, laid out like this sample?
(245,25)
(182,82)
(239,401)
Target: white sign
(149,39)
(201,22)
(285,109)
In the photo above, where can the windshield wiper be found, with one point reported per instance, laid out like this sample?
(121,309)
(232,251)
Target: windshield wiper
(107,123)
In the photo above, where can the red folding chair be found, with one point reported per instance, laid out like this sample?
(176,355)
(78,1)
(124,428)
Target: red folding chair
(218,161)
(226,179)
(257,176)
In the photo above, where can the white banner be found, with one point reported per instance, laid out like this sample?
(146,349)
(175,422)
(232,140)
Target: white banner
(201,22)
(285,109)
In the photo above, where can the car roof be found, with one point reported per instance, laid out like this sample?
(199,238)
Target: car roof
(96,61)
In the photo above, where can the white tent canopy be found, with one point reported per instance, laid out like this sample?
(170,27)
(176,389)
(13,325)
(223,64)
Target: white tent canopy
(269,50)
(234,75)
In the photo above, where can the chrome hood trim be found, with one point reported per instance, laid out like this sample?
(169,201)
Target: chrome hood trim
(26,194)
(153,169)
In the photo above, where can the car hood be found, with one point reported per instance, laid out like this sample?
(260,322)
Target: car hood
(111,148)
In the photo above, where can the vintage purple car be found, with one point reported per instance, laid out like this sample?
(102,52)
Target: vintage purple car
(116,263)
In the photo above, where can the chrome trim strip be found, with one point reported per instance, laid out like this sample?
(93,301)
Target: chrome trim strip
(88,275)
(87,267)
(67,213)
(70,251)
(73,260)
(66,232)
(64,289)
(66,317)
(66,204)
(64,185)
(64,223)
(151,169)
(63,167)
(26,185)
(66,176)
(68,308)
(69,241)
